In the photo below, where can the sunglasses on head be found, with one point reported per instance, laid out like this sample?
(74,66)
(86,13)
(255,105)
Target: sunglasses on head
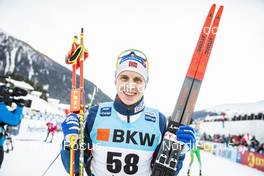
(132,54)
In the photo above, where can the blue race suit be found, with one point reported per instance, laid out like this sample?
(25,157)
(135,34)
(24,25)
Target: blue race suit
(124,140)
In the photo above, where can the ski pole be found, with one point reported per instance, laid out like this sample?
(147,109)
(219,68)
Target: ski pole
(83,56)
(74,106)
(81,113)
(72,138)
(76,57)
(51,164)
(92,98)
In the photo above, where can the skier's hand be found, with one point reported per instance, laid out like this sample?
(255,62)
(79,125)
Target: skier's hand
(70,127)
(186,136)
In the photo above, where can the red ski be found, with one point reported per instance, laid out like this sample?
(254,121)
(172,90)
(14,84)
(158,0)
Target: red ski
(167,159)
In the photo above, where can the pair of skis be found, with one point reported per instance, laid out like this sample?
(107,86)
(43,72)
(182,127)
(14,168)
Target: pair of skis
(170,150)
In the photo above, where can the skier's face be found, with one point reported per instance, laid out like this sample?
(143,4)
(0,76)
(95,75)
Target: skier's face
(130,87)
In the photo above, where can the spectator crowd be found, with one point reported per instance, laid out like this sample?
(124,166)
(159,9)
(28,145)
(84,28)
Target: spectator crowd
(246,140)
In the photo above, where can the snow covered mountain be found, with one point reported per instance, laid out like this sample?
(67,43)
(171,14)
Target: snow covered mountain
(19,58)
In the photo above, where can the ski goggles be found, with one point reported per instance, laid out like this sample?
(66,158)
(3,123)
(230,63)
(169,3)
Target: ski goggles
(133,54)
(133,60)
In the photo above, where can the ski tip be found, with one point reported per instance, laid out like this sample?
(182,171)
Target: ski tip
(213,7)
(220,10)
(211,12)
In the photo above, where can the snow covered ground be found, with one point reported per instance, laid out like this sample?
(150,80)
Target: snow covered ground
(216,166)
(32,157)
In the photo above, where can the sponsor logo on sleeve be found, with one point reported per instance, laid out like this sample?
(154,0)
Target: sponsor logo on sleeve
(105,111)
(150,116)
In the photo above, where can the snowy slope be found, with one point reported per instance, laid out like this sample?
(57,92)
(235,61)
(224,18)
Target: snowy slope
(31,156)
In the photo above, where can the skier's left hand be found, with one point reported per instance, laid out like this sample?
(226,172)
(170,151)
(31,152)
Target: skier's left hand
(186,136)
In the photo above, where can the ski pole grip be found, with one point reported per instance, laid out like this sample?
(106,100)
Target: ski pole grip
(72,141)
(72,157)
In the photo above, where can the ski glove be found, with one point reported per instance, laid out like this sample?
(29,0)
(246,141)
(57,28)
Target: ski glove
(186,136)
(70,127)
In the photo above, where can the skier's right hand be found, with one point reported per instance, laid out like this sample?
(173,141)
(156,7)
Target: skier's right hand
(70,127)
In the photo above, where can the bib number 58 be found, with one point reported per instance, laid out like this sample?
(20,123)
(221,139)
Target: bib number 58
(114,164)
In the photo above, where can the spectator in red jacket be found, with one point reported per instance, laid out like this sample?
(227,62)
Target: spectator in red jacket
(245,140)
